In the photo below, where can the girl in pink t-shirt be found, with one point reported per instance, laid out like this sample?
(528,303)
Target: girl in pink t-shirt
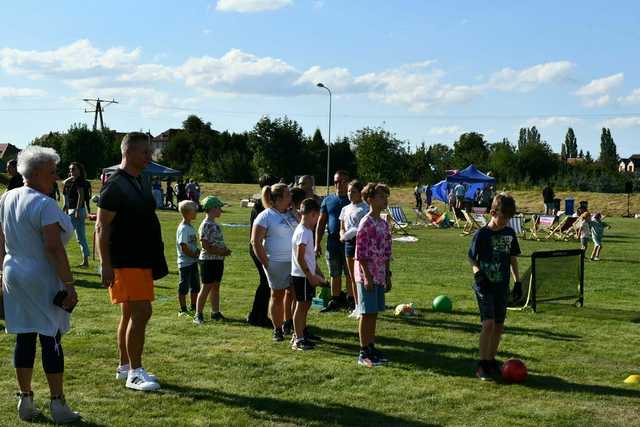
(373,277)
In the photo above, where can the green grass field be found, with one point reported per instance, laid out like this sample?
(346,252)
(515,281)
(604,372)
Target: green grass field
(232,374)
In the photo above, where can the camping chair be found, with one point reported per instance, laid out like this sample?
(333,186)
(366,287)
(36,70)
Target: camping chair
(473,222)
(480,210)
(517,224)
(542,224)
(459,219)
(564,229)
(398,219)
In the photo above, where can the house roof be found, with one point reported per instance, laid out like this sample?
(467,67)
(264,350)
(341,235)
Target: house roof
(4,147)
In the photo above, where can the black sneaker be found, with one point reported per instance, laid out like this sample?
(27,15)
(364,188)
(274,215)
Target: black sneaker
(365,358)
(483,373)
(278,335)
(495,368)
(217,316)
(310,336)
(333,305)
(302,345)
(378,354)
(288,327)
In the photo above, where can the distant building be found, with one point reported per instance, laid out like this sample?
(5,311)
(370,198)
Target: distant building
(160,142)
(630,165)
(575,160)
(7,152)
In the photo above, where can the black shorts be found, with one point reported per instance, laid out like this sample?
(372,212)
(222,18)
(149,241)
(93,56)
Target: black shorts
(304,291)
(492,302)
(211,271)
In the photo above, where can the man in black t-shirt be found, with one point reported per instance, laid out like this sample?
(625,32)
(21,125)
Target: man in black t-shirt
(127,218)
(15,180)
(547,196)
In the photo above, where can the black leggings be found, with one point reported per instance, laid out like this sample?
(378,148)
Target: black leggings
(52,355)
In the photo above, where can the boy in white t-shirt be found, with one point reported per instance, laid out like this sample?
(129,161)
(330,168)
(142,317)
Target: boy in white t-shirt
(350,218)
(304,275)
(187,256)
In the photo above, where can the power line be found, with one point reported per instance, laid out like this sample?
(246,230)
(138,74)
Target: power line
(98,109)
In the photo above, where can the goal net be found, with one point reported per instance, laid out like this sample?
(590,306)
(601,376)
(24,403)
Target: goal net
(554,276)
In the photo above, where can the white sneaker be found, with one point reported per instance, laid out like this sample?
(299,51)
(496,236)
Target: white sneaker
(122,372)
(61,413)
(26,407)
(355,314)
(137,381)
(595,258)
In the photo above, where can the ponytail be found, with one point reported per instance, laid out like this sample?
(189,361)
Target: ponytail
(270,195)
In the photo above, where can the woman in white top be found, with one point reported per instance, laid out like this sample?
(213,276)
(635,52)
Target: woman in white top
(271,240)
(33,232)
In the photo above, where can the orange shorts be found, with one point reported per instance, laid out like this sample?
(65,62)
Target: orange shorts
(131,284)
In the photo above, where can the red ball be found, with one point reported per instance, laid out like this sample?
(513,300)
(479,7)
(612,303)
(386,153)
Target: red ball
(514,371)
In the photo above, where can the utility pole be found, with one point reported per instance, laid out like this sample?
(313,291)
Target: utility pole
(98,109)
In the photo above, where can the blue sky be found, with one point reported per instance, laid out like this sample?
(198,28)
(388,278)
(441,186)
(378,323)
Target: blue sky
(425,70)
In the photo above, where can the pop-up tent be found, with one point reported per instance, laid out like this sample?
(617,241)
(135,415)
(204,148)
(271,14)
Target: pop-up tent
(470,176)
(152,170)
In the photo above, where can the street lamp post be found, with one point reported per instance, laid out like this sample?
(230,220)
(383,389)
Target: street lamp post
(329,135)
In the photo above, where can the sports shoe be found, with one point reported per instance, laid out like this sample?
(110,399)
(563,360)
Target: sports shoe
(368,360)
(182,313)
(310,336)
(596,258)
(483,373)
(302,345)
(217,316)
(122,372)
(495,368)
(198,319)
(377,354)
(333,305)
(61,413)
(138,380)
(355,314)
(26,406)
(278,335)
(287,328)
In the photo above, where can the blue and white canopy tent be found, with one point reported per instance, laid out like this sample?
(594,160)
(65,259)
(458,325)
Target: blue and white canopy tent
(470,176)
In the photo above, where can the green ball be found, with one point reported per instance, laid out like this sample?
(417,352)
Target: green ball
(443,304)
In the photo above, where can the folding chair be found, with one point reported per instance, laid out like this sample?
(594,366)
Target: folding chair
(398,219)
(542,224)
(474,222)
(459,219)
(517,223)
(564,229)
(480,210)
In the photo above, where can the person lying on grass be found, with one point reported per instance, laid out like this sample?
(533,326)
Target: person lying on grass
(304,274)
(373,277)
(492,254)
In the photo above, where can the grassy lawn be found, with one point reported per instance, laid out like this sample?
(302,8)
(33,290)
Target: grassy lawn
(232,374)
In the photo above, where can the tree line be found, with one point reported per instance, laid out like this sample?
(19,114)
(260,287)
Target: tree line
(280,147)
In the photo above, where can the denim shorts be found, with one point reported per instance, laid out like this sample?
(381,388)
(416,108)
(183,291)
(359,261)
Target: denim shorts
(370,302)
(584,241)
(350,248)
(492,301)
(189,279)
(337,262)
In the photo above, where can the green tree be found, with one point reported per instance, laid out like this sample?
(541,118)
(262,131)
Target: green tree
(317,157)
(279,147)
(571,144)
(503,161)
(342,158)
(440,159)
(379,154)
(537,161)
(608,151)
(470,148)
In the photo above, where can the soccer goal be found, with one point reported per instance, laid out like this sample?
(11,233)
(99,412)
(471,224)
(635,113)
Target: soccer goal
(554,276)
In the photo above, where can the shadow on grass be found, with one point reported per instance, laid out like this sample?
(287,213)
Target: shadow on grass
(81,283)
(546,382)
(599,313)
(474,328)
(277,411)
(618,260)
(43,420)
(409,355)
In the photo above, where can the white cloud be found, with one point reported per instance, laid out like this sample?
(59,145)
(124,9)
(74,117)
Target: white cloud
(541,122)
(632,99)
(77,60)
(601,86)
(527,79)
(445,130)
(19,92)
(249,6)
(600,101)
(622,122)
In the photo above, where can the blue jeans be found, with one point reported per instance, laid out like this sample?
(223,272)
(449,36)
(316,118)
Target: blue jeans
(81,234)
